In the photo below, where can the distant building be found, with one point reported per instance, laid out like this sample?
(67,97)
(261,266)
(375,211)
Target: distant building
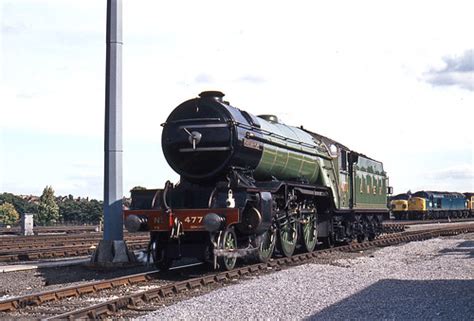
(30,198)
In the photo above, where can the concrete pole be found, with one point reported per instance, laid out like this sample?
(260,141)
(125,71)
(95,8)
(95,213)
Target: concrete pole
(113,219)
(112,250)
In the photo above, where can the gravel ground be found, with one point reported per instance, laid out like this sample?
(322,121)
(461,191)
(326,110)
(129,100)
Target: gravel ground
(429,280)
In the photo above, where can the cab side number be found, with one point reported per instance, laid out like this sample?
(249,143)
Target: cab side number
(193,219)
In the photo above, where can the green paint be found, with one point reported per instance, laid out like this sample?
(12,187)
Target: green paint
(288,237)
(310,232)
(286,164)
(370,185)
(289,160)
(267,245)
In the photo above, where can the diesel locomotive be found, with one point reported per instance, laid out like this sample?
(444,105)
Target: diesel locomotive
(251,187)
(399,206)
(470,202)
(434,205)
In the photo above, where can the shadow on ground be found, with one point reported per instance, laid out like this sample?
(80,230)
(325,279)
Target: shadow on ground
(465,248)
(84,272)
(406,300)
(81,273)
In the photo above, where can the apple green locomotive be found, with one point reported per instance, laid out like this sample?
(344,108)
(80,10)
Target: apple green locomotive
(252,187)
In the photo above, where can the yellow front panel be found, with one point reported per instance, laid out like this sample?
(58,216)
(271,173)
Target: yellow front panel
(417,204)
(399,205)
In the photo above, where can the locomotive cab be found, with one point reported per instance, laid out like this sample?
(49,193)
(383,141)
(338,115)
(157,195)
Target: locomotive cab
(399,209)
(417,208)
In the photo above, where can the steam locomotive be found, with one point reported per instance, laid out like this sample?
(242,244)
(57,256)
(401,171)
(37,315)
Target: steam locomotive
(252,187)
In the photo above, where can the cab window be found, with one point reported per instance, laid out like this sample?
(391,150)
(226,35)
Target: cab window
(343,160)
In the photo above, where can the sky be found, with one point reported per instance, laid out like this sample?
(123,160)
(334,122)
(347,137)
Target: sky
(390,79)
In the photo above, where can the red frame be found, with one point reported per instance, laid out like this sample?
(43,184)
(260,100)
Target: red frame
(159,220)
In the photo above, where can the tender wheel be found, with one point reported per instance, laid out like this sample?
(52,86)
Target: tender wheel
(266,244)
(309,231)
(288,237)
(227,242)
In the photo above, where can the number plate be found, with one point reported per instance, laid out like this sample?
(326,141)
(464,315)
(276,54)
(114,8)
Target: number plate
(193,219)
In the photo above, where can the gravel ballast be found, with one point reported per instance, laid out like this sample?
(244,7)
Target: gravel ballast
(432,279)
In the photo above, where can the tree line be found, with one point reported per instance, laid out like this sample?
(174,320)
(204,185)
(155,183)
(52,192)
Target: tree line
(49,209)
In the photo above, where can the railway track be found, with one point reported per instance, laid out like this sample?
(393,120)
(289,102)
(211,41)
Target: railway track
(72,229)
(399,226)
(26,242)
(140,292)
(8,240)
(407,222)
(60,252)
(27,248)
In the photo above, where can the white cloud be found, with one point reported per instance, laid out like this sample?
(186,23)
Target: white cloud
(460,172)
(457,71)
